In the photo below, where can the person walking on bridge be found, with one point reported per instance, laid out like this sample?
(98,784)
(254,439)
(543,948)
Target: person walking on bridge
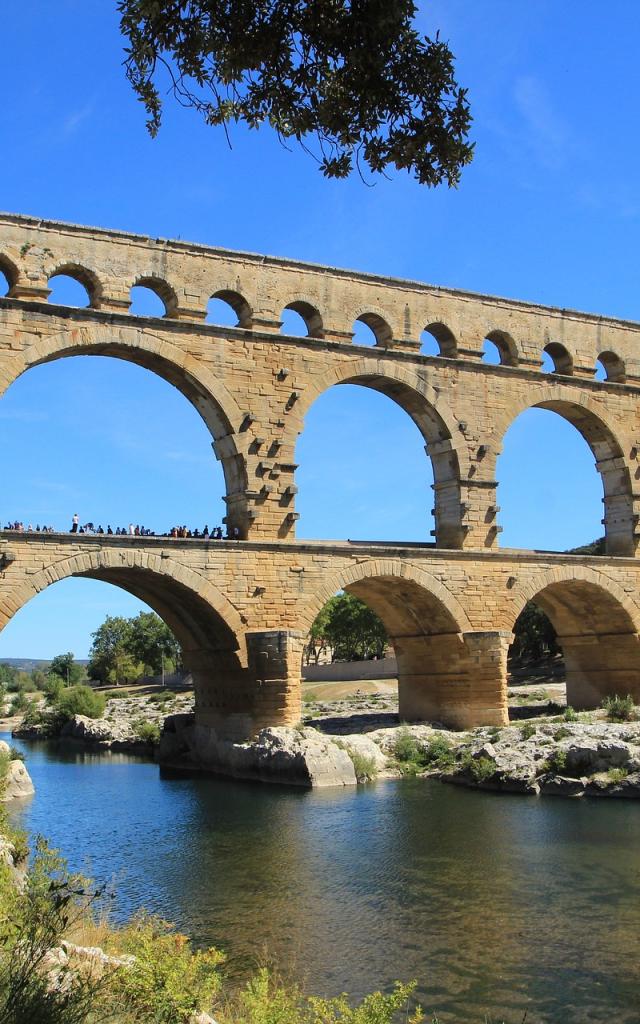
(74,523)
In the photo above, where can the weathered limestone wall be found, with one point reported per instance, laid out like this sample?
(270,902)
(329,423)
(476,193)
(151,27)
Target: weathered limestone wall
(242,611)
(253,386)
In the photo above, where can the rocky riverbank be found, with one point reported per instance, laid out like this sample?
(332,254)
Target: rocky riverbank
(129,724)
(549,759)
(359,739)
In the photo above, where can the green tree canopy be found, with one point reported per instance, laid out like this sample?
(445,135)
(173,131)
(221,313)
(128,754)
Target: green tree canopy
(150,640)
(110,659)
(348,629)
(123,648)
(353,78)
(534,636)
(66,668)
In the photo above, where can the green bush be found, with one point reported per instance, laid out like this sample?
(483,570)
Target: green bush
(439,753)
(79,700)
(556,763)
(52,688)
(570,715)
(482,768)
(561,734)
(19,703)
(147,732)
(617,775)
(620,709)
(365,767)
(266,1000)
(406,749)
(15,754)
(528,730)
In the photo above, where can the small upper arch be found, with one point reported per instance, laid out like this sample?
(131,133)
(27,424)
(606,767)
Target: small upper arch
(378,326)
(311,318)
(558,359)
(444,338)
(610,367)
(9,272)
(163,291)
(82,276)
(236,303)
(501,349)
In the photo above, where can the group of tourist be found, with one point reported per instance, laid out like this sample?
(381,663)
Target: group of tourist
(133,530)
(21,528)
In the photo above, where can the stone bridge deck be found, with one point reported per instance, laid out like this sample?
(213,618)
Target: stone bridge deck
(242,611)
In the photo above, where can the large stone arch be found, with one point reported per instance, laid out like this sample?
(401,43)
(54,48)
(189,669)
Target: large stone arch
(145,574)
(589,416)
(209,628)
(435,420)
(209,396)
(442,670)
(598,626)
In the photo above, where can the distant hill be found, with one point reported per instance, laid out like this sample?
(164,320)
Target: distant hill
(29,664)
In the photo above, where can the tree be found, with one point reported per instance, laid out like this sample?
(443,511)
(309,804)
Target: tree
(354,75)
(151,640)
(110,656)
(534,636)
(65,667)
(349,629)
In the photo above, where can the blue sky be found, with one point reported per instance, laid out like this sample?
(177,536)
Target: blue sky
(549,211)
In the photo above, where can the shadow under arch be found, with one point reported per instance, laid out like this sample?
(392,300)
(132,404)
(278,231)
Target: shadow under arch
(434,420)
(429,631)
(209,396)
(590,420)
(208,627)
(597,626)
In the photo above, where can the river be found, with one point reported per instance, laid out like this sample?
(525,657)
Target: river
(496,904)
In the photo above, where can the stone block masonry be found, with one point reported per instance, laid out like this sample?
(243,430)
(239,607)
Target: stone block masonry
(242,609)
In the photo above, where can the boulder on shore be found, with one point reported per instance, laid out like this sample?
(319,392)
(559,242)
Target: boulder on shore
(17,782)
(295,757)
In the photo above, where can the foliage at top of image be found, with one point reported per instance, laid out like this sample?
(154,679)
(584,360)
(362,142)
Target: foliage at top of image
(354,79)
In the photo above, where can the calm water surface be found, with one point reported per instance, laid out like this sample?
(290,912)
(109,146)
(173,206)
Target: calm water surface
(495,904)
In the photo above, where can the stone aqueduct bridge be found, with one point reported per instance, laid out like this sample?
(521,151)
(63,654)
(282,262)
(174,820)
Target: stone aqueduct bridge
(242,608)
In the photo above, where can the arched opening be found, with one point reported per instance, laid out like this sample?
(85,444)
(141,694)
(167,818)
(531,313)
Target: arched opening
(499,349)
(293,323)
(610,367)
(228,309)
(198,617)
(556,359)
(301,320)
(425,627)
(67,291)
(150,296)
(110,441)
(74,285)
(559,464)
(362,471)
(438,340)
(205,392)
(371,329)
(597,635)
(8,276)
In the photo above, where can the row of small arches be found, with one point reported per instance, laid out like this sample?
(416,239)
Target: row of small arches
(75,286)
